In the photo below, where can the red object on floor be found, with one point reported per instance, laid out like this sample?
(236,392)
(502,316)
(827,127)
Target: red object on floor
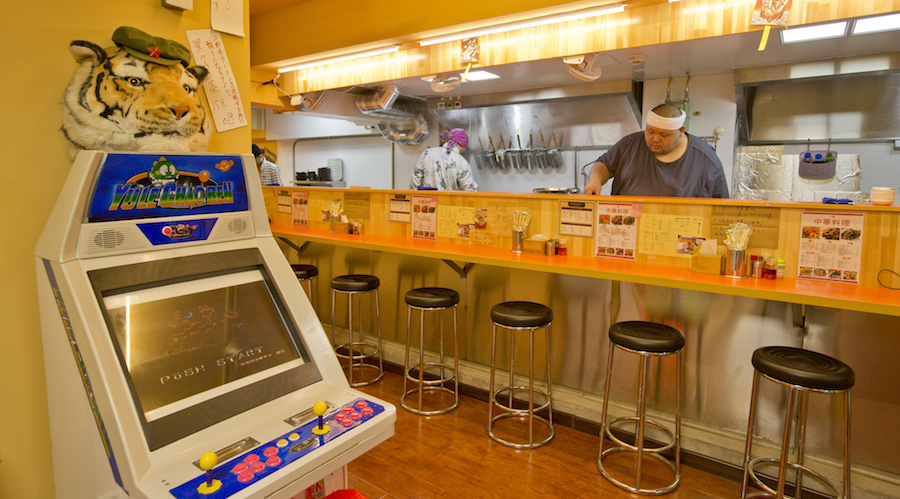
(345,494)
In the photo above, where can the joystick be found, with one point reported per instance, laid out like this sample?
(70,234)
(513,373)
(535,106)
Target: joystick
(207,462)
(319,408)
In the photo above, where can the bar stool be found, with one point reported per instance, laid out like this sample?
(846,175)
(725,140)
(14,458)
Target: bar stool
(519,316)
(305,273)
(357,352)
(647,339)
(802,372)
(427,300)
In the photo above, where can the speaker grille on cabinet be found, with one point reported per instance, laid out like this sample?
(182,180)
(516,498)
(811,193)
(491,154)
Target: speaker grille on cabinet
(237,226)
(109,240)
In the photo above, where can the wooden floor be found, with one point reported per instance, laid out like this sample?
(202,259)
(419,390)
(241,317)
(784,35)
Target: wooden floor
(451,456)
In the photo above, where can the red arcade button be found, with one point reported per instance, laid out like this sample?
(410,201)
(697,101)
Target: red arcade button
(239,468)
(339,417)
(347,422)
(366,411)
(270,451)
(257,466)
(251,458)
(245,477)
(355,415)
(361,404)
(347,410)
(273,461)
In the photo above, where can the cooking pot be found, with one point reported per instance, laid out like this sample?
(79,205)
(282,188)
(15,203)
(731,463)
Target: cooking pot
(301,176)
(325,174)
(556,190)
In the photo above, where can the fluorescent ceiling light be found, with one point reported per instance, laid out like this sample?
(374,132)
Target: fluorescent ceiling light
(819,32)
(876,24)
(480,75)
(343,58)
(523,25)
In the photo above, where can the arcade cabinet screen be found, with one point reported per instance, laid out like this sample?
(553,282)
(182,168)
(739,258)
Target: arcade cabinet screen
(189,341)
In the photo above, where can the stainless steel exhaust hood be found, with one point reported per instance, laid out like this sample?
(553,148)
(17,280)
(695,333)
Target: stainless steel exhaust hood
(838,101)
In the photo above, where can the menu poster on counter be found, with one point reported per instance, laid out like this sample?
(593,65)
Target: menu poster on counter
(424,217)
(400,208)
(455,221)
(300,208)
(616,231)
(830,246)
(283,200)
(660,234)
(576,218)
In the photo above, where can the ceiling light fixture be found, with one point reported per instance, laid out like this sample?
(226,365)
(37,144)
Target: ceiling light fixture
(480,75)
(342,58)
(876,24)
(818,32)
(609,9)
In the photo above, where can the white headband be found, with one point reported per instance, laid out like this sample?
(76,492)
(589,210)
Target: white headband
(657,121)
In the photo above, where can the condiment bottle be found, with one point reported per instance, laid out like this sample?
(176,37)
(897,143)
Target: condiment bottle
(770,268)
(561,248)
(781,267)
(755,266)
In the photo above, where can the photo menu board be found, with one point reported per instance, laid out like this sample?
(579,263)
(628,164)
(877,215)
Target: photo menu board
(830,246)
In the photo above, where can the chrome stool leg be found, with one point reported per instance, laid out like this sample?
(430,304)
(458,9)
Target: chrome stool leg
(356,350)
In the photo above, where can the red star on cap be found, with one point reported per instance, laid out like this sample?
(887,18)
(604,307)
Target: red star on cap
(154,52)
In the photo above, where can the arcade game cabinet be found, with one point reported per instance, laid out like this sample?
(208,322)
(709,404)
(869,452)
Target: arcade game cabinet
(183,359)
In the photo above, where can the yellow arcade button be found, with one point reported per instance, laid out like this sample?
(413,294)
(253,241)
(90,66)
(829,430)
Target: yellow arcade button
(293,437)
(282,442)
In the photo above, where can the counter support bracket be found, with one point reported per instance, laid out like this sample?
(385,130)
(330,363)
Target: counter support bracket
(462,271)
(798,311)
(292,245)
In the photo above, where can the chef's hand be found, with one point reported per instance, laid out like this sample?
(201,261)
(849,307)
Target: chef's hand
(599,176)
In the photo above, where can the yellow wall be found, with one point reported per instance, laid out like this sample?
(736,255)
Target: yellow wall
(37,67)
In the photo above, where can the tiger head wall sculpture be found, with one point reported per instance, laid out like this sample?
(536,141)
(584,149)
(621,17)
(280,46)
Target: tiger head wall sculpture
(139,95)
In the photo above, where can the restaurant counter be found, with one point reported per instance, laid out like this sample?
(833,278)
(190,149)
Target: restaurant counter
(724,319)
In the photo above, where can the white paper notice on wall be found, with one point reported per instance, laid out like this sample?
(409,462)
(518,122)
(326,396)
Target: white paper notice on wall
(227,16)
(221,88)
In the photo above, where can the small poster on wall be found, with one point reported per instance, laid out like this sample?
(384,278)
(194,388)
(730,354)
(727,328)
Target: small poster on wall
(830,246)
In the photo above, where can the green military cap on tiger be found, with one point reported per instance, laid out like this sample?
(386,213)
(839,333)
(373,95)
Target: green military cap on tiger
(151,48)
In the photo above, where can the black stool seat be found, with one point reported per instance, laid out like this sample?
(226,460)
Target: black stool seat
(521,314)
(355,282)
(305,271)
(432,297)
(804,368)
(648,337)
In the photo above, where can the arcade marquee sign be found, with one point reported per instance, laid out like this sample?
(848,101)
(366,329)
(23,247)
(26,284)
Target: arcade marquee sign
(131,186)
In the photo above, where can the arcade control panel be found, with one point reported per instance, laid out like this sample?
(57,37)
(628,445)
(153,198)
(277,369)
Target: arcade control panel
(266,459)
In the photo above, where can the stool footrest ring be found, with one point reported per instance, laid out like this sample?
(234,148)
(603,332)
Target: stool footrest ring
(770,492)
(653,450)
(519,445)
(435,381)
(363,365)
(652,492)
(359,352)
(495,399)
(435,412)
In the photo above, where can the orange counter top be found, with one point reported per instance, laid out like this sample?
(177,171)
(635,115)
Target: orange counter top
(859,298)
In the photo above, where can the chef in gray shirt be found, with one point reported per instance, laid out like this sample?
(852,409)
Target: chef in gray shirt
(663,160)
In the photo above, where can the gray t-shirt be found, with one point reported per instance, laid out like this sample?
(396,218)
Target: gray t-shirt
(637,172)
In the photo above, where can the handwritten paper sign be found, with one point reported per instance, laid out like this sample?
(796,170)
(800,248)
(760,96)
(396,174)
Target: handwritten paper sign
(300,208)
(227,16)
(221,88)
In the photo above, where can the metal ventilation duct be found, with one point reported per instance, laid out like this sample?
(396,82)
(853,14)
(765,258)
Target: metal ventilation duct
(842,100)
(404,118)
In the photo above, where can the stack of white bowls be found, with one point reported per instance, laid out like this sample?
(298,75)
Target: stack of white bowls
(882,196)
